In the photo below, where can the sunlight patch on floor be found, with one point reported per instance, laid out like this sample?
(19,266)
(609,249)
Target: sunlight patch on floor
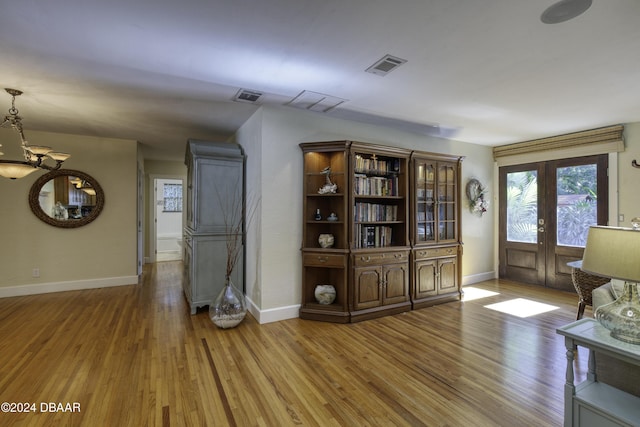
(471,293)
(521,307)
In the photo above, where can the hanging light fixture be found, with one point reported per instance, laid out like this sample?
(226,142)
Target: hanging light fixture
(34,155)
(84,185)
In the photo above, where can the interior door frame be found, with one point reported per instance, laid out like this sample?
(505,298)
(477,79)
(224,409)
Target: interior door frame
(140,261)
(153,200)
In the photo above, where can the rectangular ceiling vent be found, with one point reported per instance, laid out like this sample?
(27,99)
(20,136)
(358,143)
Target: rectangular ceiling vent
(245,95)
(385,65)
(315,101)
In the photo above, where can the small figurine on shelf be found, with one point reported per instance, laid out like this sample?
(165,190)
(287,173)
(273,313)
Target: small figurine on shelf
(332,217)
(328,187)
(318,217)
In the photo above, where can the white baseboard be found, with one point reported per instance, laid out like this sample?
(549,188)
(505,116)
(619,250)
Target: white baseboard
(477,278)
(273,314)
(76,285)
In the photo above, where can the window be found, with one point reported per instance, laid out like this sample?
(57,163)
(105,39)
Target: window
(172,194)
(577,203)
(522,206)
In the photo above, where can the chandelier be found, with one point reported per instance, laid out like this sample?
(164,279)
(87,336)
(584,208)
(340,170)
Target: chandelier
(35,156)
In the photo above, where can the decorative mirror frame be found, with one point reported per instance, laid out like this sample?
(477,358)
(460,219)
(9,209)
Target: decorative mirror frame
(34,199)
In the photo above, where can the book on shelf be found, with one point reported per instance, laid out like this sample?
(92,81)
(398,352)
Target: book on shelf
(373,236)
(369,212)
(376,165)
(365,185)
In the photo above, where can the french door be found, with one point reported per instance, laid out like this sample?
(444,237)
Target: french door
(546,209)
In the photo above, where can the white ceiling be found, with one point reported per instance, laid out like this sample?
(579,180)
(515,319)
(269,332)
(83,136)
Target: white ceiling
(162,71)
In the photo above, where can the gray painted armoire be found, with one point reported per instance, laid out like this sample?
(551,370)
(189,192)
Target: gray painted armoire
(214,205)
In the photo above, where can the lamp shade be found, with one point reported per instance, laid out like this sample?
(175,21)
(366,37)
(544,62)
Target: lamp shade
(15,169)
(38,150)
(613,252)
(59,157)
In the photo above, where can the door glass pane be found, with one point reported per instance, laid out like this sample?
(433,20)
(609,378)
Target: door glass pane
(522,206)
(577,203)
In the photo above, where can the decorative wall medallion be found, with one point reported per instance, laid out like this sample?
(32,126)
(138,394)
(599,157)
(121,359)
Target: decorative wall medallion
(476,193)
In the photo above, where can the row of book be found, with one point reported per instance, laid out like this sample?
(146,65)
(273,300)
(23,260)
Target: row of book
(369,236)
(364,185)
(375,165)
(369,212)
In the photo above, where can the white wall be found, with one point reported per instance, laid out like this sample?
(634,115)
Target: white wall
(478,231)
(274,264)
(102,253)
(628,176)
(249,136)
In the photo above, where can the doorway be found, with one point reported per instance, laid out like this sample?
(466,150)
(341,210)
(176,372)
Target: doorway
(546,209)
(168,221)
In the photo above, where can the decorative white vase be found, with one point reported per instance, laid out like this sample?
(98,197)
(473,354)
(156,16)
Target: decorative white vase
(326,240)
(325,294)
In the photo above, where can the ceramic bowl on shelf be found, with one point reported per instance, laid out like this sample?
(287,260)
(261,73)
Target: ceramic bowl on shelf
(326,240)
(325,294)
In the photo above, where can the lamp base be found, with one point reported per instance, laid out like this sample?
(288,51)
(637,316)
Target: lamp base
(622,316)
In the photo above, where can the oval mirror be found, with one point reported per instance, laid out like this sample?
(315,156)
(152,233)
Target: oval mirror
(66,198)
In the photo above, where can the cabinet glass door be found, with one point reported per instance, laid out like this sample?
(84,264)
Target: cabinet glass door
(425,201)
(446,203)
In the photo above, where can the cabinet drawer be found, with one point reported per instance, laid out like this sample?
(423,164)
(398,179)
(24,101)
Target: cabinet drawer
(324,260)
(361,260)
(436,252)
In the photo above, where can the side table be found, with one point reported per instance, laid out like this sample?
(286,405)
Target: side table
(592,403)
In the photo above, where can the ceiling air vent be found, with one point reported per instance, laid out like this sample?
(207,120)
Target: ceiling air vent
(385,65)
(245,95)
(315,101)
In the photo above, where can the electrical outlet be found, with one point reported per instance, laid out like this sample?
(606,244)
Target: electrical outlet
(35,272)
(621,218)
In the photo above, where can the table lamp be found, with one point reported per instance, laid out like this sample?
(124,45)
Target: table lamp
(615,252)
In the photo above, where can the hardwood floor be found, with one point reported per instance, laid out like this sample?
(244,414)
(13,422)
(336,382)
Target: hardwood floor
(133,356)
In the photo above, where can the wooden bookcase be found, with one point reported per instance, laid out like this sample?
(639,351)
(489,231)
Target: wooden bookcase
(379,231)
(435,235)
(329,265)
(382,261)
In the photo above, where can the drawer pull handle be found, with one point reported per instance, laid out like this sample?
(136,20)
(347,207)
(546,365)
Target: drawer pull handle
(398,256)
(323,259)
(367,259)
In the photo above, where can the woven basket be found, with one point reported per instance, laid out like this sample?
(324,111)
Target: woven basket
(585,283)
